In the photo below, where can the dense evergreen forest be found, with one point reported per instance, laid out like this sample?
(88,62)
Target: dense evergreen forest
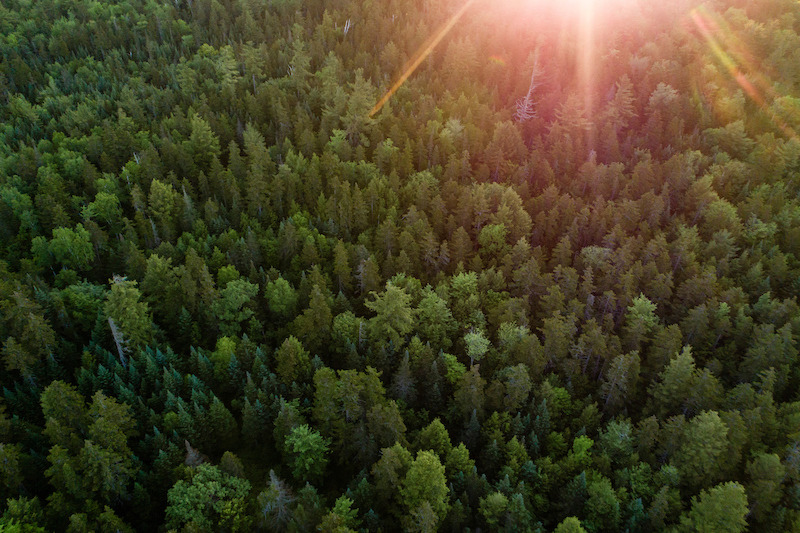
(550,285)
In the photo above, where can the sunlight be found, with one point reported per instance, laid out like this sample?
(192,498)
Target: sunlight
(567,8)
(583,10)
(575,6)
(737,61)
(581,17)
(423,52)
(586,50)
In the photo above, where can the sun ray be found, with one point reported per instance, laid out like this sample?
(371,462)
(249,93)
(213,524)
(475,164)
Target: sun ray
(423,52)
(736,60)
(586,55)
(708,29)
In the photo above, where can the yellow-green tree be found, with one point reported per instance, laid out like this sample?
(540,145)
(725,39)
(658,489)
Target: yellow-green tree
(425,483)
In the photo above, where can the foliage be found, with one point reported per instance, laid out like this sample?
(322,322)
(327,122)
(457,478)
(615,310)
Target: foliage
(224,266)
(208,499)
(309,450)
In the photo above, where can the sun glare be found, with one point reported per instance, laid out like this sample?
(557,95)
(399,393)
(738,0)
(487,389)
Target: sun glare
(570,8)
(575,6)
(586,49)
(570,11)
(580,15)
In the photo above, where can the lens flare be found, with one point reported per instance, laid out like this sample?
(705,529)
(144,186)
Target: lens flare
(423,52)
(736,60)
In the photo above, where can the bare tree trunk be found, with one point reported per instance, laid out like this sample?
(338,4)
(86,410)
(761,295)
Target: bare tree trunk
(526,107)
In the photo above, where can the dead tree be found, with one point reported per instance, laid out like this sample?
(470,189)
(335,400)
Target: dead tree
(526,107)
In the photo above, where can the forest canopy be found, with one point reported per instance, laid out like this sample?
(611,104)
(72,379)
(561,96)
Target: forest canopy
(549,285)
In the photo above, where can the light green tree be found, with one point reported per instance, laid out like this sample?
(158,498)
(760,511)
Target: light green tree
(314,325)
(226,274)
(105,207)
(684,388)
(342,272)
(570,525)
(292,360)
(343,518)
(129,317)
(348,331)
(210,499)
(356,119)
(436,323)
(394,316)
(493,508)
(425,482)
(602,507)
(477,345)
(458,460)
(106,460)
(700,456)
(640,321)
(203,143)
(309,452)
(389,472)
(30,338)
(676,383)
(232,308)
(23,515)
(492,242)
(72,247)
(721,509)
(163,202)
(281,298)
(434,437)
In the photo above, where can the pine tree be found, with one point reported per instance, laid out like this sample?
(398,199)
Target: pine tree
(425,483)
(314,325)
(128,313)
(292,361)
(722,508)
(394,319)
(275,503)
(308,450)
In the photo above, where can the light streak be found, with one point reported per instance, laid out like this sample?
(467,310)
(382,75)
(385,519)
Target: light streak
(586,59)
(424,51)
(730,64)
(737,55)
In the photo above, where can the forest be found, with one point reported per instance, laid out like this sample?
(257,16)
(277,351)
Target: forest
(550,285)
